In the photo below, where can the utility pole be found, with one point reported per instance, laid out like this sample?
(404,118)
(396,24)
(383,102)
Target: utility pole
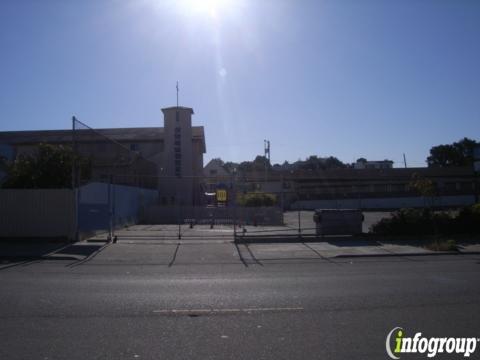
(177,93)
(266,148)
(404,160)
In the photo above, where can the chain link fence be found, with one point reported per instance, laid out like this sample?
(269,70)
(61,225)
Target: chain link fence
(113,183)
(122,194)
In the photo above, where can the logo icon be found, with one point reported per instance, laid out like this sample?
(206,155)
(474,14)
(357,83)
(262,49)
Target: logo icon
(429,346)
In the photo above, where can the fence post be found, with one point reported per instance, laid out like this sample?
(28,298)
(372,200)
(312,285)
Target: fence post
(110,208)
(74,184)
(114,204)
(178,220)
(299,226)
(234,200)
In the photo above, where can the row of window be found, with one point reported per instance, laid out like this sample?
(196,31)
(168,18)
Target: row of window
(383,188)
(178,151)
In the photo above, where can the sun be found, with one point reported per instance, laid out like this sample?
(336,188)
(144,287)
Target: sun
(206,7)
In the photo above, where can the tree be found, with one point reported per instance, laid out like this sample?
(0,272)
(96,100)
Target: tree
(254,166)
(315,163)
(219,161)
(426,188)
(457,154)
(229,166)
(312,163)
(50,166)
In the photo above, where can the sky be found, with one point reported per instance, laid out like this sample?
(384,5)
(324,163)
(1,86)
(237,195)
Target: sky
(346,78)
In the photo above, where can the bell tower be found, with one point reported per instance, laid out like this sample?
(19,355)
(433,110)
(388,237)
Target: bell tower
(176,178)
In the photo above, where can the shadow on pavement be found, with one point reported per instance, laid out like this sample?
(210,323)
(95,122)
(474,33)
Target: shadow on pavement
(11,250)
(352,242)
(174,257)
(88,253)
(24,252)
(81,250)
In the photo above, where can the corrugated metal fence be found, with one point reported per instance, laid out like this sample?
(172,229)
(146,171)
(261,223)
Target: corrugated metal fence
(34,213)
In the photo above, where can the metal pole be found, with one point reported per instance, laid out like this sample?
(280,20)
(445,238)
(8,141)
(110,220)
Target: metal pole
(299,226)
(475,185)
(282,199)
(113,207)
(179,226)
(110,209)
(234,200)
(177,95)
(75,183)
(177,201)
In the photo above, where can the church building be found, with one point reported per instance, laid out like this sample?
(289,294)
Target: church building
(174,153)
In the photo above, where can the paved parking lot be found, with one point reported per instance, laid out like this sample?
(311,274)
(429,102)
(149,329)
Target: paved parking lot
(293,221)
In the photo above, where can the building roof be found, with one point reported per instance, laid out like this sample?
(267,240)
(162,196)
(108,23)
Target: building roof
(117,134)
(179,108)
(401,174)
(376,161)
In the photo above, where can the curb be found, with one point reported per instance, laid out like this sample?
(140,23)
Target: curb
(436,253)
(36,257)
(290,239)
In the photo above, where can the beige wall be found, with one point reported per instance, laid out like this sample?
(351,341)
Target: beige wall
(177,186)
(36,213)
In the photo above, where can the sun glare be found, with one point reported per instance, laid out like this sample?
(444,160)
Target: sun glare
(206,7)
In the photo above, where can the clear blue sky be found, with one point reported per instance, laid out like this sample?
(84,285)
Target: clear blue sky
(346,78)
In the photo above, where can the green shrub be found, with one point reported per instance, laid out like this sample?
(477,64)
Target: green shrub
(405,222)
(258,200)
(426,222)
(445,245)
(468,220)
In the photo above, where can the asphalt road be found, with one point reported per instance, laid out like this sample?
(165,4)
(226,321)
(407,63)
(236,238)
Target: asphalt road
(192,309)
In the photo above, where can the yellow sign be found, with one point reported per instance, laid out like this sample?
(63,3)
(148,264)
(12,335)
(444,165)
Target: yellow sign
(221,195)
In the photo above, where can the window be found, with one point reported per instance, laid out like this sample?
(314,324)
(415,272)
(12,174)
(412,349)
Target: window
(362,188)
(450,186)
(397,187)
(465,186)
(134,147)
(380,188)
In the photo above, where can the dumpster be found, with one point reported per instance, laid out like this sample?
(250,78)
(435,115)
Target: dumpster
(338,221)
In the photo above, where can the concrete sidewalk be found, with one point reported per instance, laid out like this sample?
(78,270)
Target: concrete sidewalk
(185,252)
(11,251)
